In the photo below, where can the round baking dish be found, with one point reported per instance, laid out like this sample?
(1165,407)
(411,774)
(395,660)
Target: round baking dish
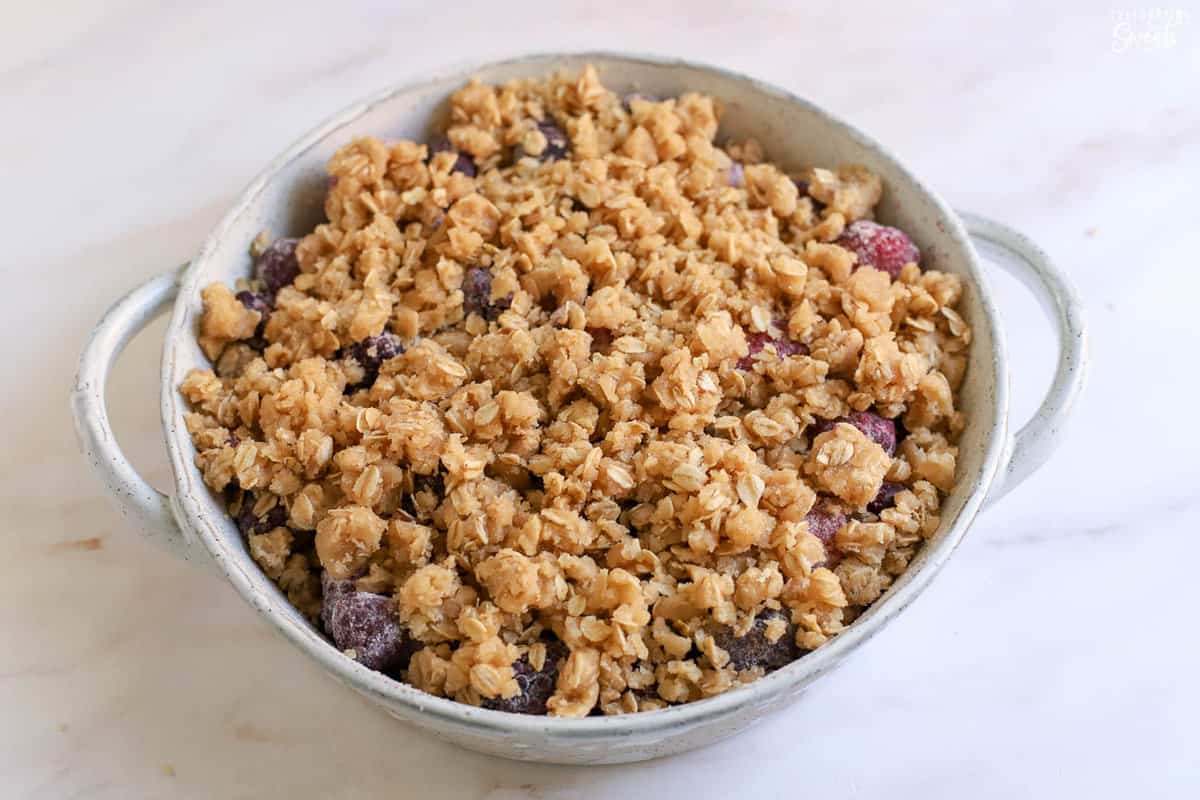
(287,199)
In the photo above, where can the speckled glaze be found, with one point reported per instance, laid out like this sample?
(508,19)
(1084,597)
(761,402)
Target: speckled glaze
(287,199)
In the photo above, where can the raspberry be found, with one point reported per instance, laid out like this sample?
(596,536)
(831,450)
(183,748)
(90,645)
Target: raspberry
(874,427)
(784,347)
(886,497)
(536,685)
(824,521)
(755,650)
(880,246)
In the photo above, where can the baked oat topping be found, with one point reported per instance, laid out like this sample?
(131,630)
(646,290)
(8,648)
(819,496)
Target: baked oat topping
(579,409)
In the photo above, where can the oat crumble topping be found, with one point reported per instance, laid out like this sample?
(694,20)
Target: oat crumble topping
(574,411)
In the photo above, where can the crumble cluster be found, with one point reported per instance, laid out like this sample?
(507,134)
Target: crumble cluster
(574,411)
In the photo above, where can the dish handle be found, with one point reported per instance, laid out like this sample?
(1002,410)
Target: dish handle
(139,502)
(1029,448)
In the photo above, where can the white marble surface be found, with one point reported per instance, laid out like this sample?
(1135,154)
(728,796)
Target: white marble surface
(1056,656)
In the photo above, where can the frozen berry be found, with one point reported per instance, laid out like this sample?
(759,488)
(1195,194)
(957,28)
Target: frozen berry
(248,522)
(477,295)
(754,649)
(882,247)
(464,164)
(886,498)
(880,430)
(557,144)
(536,685)
(825,520)
(365,623)
(256,301)
(277,265)
(736,175)
(371,352)
(477,290)
(332,592)
(784,347)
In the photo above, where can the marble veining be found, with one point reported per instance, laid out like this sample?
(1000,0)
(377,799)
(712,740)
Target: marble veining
(1054,656)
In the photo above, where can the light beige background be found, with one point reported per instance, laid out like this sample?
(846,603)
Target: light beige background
(1056,656)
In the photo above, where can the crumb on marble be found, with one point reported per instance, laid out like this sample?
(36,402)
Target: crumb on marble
(88,543)
(247,732)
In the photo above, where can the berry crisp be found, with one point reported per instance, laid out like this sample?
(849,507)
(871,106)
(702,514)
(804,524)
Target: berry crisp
(579,408)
